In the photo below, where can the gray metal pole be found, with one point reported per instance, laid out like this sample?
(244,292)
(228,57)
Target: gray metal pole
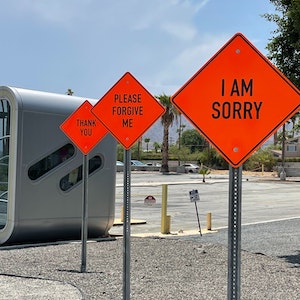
(126,226)
(84,223)
(234,233)
(198,217)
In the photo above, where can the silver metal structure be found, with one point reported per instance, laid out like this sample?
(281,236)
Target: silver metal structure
(41,171)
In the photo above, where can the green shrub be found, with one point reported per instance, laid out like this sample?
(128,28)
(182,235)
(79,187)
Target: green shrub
(261,157)
(211,158)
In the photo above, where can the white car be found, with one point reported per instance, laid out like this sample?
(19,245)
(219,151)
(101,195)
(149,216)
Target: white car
(153,164)
(137,163)
(191,168)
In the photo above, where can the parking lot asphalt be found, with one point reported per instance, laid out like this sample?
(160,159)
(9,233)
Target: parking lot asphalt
(264,198)
(270,227)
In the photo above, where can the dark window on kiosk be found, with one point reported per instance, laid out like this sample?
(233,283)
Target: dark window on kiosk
(75,175)
(51,161)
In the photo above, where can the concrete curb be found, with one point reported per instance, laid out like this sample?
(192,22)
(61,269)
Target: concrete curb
(20,287)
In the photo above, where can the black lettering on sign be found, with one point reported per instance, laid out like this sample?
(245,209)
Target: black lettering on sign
(216,109)
(127,98)
(236,110)
(127,123)
(86,131)
(127,110)
(86,122)
(238,88)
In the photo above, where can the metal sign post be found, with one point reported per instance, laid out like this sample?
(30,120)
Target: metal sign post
(84,223)
(127,110)
(194,197)
(126,226)
(234,233)
(75,128)
(198,218)
(220,95)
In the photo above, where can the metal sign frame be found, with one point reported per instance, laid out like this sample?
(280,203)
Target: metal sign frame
(126,225)
(234,233)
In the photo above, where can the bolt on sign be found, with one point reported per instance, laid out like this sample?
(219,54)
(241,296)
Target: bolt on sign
(127,110)
(237,100)
(83,128)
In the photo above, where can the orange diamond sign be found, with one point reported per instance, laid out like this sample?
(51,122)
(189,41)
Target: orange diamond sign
(127,110)
(83,128)
(237,100)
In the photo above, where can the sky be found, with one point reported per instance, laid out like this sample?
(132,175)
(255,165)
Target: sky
(88,45)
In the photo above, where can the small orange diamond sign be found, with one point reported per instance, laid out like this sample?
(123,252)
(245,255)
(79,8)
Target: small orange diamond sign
(83,128)
(127,110)
(237,100)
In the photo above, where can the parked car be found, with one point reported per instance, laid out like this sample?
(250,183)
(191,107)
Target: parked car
(138,163)
(120,166)
(191,168)
(154,164)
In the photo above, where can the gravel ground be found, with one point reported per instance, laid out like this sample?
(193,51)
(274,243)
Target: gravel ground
(160,269)
(278,239)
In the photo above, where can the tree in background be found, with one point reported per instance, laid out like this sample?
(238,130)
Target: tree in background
(167,120)
(262,157)
(284,46)
(156,146)
(120,152)
(147,140)
(284,50)
(70,92)
(212,158)
(193,140)
(180,130)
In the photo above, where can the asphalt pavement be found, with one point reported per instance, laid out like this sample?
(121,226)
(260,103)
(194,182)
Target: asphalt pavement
(181,263)
(264,198)
(277,239)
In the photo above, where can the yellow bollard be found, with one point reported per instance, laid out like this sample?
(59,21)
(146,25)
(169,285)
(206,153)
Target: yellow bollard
(208,221)
(167,224)
(165,220)
(122,214)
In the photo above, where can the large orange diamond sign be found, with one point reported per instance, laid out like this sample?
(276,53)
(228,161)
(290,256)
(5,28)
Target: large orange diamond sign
(127,110)
(83,128)
(237,100)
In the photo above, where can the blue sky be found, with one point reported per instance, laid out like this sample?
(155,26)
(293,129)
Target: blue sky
(87,45)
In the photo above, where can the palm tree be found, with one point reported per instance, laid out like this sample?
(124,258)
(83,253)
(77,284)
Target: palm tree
(167,120)
(69,92)
(156,146)
(147,140)
(204,171)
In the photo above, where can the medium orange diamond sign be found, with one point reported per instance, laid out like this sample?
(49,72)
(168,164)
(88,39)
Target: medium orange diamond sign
(83,128)
(127,110)
(237,100)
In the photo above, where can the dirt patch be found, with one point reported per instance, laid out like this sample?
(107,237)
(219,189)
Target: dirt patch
(246,173)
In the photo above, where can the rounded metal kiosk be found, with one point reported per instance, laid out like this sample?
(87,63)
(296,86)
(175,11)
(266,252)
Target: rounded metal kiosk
(41,171)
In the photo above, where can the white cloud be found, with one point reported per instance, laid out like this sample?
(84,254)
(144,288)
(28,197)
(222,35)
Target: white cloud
(180,30)
(186,62)
(200,52)
(90,43)
(172,16)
